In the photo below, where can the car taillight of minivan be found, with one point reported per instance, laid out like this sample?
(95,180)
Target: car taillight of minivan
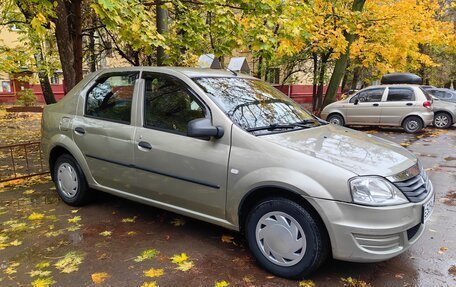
(427,105)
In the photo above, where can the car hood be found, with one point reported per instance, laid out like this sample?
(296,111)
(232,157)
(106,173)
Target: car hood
(358,152)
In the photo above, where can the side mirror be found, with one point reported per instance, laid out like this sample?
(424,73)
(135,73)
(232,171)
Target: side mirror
(203,128)
(356,101)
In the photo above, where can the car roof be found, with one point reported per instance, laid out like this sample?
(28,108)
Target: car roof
(189,72)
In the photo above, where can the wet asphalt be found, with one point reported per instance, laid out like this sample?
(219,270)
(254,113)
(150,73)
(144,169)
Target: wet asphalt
(110,233)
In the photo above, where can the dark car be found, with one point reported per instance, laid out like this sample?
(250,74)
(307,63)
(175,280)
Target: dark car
(443,94)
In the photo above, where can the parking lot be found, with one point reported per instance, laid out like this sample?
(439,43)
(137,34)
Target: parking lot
(115,242)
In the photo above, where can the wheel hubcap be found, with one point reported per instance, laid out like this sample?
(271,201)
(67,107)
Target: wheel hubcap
(281,238)
(412,125)
(67,180)
(335,121)
(441,121)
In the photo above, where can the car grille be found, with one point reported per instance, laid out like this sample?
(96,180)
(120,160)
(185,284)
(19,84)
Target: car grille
(416,188)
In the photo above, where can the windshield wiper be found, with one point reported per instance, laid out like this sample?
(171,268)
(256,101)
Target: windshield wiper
(273,127)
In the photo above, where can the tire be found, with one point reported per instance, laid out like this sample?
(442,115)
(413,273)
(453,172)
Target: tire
(336,119)
(305,232)
(412,124)
(70,181)
(442,120)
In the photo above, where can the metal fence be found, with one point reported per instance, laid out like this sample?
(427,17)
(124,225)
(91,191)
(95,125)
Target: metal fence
(21,161)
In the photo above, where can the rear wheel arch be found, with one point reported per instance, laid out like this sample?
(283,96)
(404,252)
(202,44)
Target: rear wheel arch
(55,153)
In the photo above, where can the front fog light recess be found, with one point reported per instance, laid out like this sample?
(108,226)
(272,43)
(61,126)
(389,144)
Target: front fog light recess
(374,190)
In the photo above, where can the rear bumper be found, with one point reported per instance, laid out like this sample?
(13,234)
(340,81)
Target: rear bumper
(427,117)
(371,234)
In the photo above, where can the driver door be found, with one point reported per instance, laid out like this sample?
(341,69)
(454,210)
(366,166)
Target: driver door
(173,168)
(365,107)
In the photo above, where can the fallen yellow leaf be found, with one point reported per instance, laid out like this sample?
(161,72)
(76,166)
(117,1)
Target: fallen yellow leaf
(149,284)
(222,283)
(185,266)
(36,216)
(227,238)
(177,259)
(152,272)
(43,282)
(100,277)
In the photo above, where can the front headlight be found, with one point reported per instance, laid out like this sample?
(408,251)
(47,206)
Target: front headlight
(376,191)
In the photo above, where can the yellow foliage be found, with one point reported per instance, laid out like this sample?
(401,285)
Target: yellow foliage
(106,233)
(147,254)
(149,284)
(154,272)
(177,259)
(70,262)
(43,282)
(75,219)
(36,216)
(222,283)
(306,283)
(185,266)
(99,278)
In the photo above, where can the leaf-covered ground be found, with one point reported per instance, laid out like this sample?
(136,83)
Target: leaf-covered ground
(115,242)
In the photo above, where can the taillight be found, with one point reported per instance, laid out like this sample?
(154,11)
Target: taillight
(427,105)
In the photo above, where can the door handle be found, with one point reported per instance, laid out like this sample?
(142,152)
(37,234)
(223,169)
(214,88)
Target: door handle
(144,145)
(79,130)
(375,105)
(409,104)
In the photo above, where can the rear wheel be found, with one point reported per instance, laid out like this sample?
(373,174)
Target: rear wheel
(442,120)
(70,181)
(285,238)
(412,124)
(336,119)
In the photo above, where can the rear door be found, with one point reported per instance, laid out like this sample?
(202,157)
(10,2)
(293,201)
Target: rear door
(172,168)
(365,107)
(104,133)
(400,101)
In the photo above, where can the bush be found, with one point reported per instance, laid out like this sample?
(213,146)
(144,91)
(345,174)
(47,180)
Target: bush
(26,97)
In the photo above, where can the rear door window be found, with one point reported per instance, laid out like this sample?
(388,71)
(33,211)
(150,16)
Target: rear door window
(110,98)
(400,94)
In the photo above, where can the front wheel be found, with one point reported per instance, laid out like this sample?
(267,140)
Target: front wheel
(442,120)
(70,181)
(412,124)
(336,119)
(285,238)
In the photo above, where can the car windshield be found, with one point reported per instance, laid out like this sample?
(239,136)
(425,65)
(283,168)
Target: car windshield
(255,105)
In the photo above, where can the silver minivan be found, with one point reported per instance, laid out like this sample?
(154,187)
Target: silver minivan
(386,105)
(232,150)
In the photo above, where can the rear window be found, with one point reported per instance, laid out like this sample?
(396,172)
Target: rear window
(399,94)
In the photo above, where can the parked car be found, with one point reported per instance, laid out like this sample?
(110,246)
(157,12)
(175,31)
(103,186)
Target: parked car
(234,151)
(385,105)
(444,113)
(443,94)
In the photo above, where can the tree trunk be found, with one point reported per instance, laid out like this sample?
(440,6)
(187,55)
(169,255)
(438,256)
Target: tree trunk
(314,81)
(69,41)
(321,83)
(162,28)
(341,63)
(354,83)
(48,94)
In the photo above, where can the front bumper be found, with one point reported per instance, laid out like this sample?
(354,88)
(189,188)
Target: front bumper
(370,234)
